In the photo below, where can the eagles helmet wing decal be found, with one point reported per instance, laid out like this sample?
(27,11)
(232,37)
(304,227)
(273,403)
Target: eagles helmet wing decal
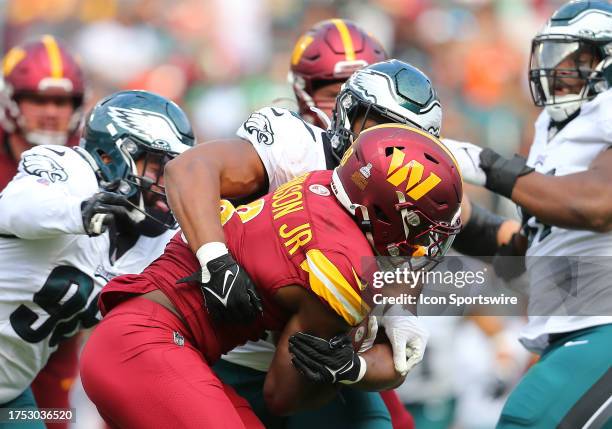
(151,127)
(44,166)
(259,125)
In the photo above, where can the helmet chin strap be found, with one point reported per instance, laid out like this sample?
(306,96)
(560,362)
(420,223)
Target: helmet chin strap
(561,112)
(345,201)
(137,214)
(322,116)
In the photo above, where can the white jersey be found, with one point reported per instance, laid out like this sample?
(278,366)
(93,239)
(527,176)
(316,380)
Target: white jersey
(51,272)
(288,147)
(571,150)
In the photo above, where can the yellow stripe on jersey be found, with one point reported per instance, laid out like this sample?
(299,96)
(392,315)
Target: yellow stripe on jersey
(327,281)
(300,47)
(11,59)
(55,57)
(347,41)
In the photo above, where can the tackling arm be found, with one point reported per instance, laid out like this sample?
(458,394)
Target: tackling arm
(581,200)
(195,180)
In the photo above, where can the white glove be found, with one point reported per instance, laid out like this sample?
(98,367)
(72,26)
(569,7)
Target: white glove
(468,158)
(408,338)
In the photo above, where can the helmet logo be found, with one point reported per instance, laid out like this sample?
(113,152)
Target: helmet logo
(413,172)
(153,128)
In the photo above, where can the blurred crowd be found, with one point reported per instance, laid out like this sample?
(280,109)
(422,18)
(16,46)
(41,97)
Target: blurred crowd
(222,59)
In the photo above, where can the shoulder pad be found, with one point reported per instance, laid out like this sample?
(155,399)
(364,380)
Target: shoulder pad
(271,124)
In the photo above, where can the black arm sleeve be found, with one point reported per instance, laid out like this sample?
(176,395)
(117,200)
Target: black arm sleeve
(479,236)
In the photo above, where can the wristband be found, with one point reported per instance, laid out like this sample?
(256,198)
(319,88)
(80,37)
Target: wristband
(206,253)
(502,173)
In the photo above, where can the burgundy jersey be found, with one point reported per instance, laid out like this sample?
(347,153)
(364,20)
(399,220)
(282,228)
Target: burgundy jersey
(297,235)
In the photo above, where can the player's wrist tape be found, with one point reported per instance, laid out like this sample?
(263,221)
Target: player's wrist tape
(479,236)
(363,366)
(502,173)
(206,253)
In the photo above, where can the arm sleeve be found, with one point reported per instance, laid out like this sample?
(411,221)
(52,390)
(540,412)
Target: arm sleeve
(286,144)
(333,279)
(44,198)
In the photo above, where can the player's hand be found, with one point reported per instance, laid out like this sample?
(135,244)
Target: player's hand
(104,209)
(508,261)
(468,158)
(323,361)
(229,293)
(485,167)
(408,338)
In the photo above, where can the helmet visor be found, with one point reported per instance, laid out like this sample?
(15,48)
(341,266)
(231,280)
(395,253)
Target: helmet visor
(560,69)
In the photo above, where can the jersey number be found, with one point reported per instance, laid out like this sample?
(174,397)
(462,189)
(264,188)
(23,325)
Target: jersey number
(64,297)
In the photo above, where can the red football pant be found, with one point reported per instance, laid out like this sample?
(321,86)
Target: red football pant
(137,373)
(400,417)
(52,385)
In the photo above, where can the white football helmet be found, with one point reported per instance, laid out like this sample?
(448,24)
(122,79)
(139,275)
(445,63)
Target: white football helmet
(570,57)
(390,91)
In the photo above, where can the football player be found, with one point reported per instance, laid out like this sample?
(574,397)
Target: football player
(323,58)
(40,100)
(302,246)
(41,103)
(277,145)
(54,253)
(563,191)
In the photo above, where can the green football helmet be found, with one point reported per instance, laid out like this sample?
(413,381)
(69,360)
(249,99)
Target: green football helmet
(390,91)
(131,135)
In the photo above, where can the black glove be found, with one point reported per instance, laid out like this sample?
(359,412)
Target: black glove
(106,209)
(323,361)
(501,172)
(230,295)
(508,263)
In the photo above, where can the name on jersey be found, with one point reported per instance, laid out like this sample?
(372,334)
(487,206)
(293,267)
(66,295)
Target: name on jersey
(289,198)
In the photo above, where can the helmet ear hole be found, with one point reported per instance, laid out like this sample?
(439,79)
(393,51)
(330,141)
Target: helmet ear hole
(106,158)
(380,215)
(389,150)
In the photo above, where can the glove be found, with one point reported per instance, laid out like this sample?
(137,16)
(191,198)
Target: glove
(508,263)
(229,293)
(408,338)
(485,167)
(322,361)
(106,209)
(468,159)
